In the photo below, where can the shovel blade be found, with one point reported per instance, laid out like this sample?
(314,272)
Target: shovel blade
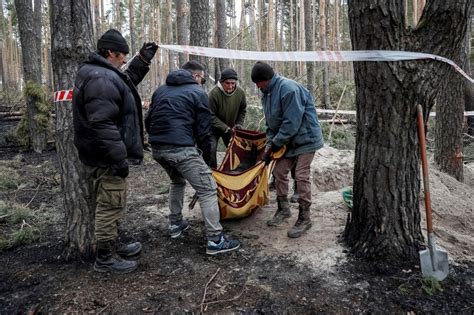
(434,263)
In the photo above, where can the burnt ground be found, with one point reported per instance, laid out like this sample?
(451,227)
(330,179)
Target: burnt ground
(173,275)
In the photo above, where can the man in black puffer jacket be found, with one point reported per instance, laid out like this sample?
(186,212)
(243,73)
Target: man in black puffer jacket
(108,130)
(178,120)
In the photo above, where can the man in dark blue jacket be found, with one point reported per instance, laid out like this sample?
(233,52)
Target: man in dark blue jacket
(291,121)
(178,120)
(108,130)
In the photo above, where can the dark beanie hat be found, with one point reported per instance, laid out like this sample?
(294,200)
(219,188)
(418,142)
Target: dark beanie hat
(261,71)
(227,74)
(113,40)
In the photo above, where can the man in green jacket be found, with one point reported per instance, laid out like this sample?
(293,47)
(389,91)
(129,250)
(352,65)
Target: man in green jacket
(228,107)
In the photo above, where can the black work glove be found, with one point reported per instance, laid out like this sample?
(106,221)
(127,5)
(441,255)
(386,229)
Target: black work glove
(267,155)
(238,126)
(148,50)
(120,169)
(206,156)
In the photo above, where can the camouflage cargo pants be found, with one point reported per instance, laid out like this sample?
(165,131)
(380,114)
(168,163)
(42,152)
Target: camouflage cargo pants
(111,198)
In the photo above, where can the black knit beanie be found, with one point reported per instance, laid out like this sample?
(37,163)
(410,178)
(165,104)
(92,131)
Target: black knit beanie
(227,74)
(113,40)
(261,71)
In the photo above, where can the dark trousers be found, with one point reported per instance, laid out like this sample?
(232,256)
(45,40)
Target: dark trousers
(214,142)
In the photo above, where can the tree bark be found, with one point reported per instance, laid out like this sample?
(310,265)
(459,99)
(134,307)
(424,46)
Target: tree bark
(72,41)
(326,100)
(131,19)
(221,27)
(38,23)
(98,19)
(309,44)
(199,33)
(3,36)
(31,73)
(449,127)
(385,220)
(181,28)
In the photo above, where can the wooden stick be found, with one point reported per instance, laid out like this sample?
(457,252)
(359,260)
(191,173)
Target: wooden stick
(205,289)
(337,108)
(228,300)
(34,196)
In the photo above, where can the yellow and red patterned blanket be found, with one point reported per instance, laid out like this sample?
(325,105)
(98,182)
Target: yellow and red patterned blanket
(242,178)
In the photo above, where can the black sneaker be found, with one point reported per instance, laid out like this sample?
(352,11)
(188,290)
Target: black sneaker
(223,246)
(128,250)
(114,264)
(175,230)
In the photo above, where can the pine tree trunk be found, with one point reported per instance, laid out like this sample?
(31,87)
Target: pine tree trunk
(221,27)
(449,127)
(326,101)
(31,72)
(98,20)
(3,37)
(181,28)
(131,20)
(270,26)
(160,66)
(169,36)
(142,34)
(309,44)
(117,20)
(385,220)
(72,40)
(199,33)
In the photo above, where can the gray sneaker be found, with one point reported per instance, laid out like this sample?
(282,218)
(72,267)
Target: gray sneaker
(224,245)
(175,230)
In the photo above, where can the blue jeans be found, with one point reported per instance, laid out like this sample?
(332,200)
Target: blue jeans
(185,163)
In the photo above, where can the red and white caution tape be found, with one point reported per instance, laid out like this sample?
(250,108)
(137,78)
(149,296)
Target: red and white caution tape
(353,112)
(326,56)
(63,96)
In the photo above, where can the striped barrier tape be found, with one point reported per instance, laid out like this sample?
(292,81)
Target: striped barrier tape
(63,96)
(353,112)
(326,56)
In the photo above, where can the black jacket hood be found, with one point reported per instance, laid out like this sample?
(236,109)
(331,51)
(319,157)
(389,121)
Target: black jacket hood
(180,77)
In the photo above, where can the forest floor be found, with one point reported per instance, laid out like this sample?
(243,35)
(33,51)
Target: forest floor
(269,274)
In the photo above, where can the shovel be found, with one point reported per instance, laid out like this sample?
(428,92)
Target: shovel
(433,260)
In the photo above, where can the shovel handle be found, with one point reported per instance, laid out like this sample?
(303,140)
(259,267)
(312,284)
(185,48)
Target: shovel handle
(424,163)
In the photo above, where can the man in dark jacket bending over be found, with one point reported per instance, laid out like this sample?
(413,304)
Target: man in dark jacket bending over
(108,130)
(178,120)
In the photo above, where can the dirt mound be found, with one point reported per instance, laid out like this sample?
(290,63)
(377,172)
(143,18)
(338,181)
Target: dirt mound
(453,214)
(332,169)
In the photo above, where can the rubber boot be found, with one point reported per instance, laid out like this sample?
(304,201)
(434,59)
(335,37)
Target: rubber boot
(282,213)
(128,250)
(108,261)
(304,221)
(296,196)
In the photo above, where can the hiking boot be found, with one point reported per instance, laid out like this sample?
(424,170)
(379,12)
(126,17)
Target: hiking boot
(175,230)
(128,250)
(303,223)
(283,212)
(108,261)
(224,245)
